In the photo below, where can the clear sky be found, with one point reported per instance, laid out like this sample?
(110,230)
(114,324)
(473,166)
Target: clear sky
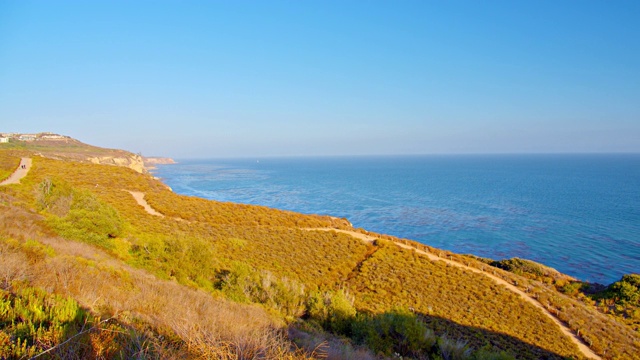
(264,78)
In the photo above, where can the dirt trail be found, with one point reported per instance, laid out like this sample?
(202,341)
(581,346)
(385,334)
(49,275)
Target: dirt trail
(139,196)
(586,351)
(21,171)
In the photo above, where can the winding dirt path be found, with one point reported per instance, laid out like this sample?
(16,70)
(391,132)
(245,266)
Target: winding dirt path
(21,171)
(586,351)
(139,196)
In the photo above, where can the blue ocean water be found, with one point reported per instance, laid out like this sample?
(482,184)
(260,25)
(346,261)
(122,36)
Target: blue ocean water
(577,213)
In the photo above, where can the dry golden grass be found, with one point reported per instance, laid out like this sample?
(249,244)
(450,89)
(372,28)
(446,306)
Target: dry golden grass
(213,236)
(8,164)
(483,310)
(606,335)
(206,327)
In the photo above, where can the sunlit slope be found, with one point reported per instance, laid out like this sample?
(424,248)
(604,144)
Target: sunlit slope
(460,303)
(73,300)
(8,163)
(198,242)
(67,148)
(221,233)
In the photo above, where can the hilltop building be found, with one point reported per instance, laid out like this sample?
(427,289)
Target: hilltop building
(5,137)
(27,137)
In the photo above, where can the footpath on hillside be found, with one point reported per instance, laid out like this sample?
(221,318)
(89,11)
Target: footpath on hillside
(21,171)
(565,330)
(139,197)
(586,351)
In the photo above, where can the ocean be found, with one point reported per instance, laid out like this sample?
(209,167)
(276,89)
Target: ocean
(579,214)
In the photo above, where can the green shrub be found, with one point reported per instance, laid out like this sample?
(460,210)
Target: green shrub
(453,349)
(571,288)
(626,291)
(333,310)
(485,354)
(242,283)
(519,266)
(397,331)
(340,312)
(33,320)
(88,218)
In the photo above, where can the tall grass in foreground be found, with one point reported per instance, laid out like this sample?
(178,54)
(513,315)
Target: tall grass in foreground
(183,322)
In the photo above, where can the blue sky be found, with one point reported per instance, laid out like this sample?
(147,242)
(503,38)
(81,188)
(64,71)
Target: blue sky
(270,78)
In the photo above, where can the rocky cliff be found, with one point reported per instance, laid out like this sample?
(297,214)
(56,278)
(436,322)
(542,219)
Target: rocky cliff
(151,162)
(130,160)
(63,147)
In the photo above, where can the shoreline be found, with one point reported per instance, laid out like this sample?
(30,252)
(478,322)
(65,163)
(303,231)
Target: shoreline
(508,281)
(273,184)
(547,268)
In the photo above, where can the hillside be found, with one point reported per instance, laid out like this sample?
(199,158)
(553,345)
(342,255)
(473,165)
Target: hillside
(88,272)
(63,147)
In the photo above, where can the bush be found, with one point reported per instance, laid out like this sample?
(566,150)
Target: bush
(626,291)
(453,349)
(241,283)
(484,354)
(333,310)
(88,218)
(32,321)
(519,266)
(398,331)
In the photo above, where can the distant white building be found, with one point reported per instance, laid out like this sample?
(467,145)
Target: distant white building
(27,137)
(4,139)
(52,137)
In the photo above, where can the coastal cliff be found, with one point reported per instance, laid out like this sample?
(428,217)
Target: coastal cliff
(158,161)
(62,147)
(131,161)
(151,162)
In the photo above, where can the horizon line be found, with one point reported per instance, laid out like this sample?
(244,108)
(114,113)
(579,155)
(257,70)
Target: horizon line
(255,157)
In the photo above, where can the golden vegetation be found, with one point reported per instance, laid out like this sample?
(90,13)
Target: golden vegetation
(8,164)
(157,319)
(456,302)
(324,282)
(576,302)
(608,336)
(36,323)
(69,149)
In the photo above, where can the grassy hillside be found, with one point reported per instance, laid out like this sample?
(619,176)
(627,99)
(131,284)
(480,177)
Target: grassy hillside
(8,163)
(66,147)
(222,280)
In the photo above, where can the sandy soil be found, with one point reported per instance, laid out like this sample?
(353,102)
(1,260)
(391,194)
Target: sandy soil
(19,173)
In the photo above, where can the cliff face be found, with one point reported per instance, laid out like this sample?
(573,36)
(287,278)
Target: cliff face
(158,161)
(151,162)
(63,147)
(131,161)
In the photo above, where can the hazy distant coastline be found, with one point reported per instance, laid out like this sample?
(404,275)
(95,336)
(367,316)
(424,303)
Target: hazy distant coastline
(151,162)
